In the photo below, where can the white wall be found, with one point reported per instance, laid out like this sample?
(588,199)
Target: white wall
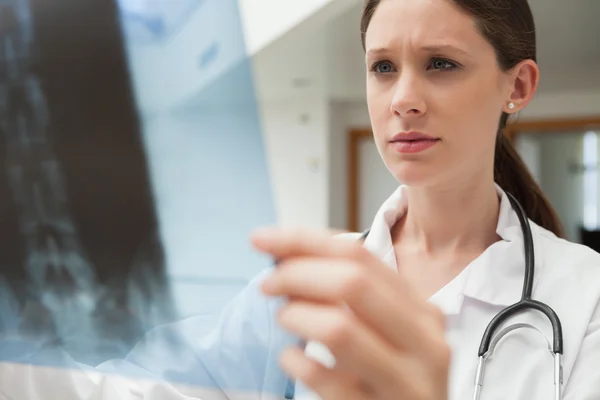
(296,137)
(260,24)
(261,28)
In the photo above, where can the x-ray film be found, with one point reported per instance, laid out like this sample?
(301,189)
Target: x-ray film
(133,171)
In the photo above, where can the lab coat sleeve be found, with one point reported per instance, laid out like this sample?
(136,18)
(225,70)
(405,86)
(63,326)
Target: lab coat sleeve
(584,381)
(236,355)
(232,356)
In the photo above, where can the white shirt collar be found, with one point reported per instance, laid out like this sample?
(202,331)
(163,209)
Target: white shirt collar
(495,277)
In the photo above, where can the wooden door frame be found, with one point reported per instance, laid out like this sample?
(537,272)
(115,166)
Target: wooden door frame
(512,131)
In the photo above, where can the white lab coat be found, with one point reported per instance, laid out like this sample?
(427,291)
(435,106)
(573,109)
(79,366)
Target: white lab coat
(238,358)
(567,278)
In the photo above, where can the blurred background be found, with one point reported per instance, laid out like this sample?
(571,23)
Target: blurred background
(310,83)
(145,139)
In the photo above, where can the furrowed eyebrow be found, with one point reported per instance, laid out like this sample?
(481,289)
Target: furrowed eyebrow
(377,50)
(432,49)
(446,48)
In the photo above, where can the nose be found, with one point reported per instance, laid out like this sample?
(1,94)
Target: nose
(408,98)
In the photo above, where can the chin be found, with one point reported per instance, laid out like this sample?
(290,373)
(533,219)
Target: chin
(411,174)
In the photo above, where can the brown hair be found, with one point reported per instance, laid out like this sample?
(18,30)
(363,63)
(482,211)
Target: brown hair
(509,26)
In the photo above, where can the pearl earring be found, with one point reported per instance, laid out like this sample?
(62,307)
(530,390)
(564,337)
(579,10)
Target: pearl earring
(511,105)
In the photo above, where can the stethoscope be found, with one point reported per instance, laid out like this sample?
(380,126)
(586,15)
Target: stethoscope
(490,339)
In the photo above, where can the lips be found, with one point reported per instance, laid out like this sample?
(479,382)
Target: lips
(412,137)
(413,142)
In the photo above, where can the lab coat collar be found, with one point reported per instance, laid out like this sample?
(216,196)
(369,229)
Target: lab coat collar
(379,239)
(495,277)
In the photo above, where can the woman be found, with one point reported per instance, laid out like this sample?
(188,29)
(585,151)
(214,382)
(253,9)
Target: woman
(401,315)
(443,77)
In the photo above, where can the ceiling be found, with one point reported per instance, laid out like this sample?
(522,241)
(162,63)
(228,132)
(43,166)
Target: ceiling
(327,59)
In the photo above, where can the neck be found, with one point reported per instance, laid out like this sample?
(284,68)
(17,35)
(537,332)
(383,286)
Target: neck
(460,217)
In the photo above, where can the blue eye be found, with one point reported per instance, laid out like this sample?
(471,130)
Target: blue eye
(382,67)
(441,64)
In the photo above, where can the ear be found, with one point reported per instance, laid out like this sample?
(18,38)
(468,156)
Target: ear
(523,82)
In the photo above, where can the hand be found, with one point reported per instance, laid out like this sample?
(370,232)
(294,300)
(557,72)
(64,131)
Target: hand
(387,341)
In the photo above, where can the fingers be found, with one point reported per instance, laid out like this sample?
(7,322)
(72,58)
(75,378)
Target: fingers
(376,326)
(285,243)
(364,365)
(325,382)
(379,303)
(357,350)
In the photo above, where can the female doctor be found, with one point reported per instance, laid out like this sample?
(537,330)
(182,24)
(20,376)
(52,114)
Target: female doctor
(401,314)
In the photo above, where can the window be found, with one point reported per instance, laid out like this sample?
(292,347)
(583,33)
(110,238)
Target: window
(590,180)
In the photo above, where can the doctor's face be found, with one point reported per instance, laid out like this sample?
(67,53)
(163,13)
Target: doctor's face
(435,92)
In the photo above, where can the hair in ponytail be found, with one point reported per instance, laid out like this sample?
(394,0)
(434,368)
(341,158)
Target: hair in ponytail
(509,27)
(513,176)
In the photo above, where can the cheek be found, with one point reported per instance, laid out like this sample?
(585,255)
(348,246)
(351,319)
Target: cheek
(378,104)
(470,115)
(378,100)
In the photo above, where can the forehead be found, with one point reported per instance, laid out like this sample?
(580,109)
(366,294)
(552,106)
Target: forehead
(425,22)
